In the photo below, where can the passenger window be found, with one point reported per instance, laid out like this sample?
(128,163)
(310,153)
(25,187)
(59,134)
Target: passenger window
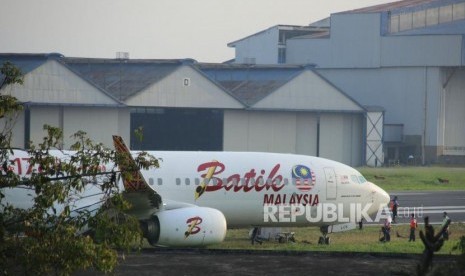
(151,182)
(160,181)
(178,181)
(197,181)
(188,181)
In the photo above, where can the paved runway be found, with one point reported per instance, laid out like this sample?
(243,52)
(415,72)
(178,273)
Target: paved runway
(432,204)
(254,262)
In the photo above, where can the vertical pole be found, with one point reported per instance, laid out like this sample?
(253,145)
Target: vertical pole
(27,126)
(318,136)
(423,144)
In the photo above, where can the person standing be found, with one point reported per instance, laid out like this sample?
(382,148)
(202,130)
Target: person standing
(445,234)
(394,206)
(387,229)
(413,227)
(255,237)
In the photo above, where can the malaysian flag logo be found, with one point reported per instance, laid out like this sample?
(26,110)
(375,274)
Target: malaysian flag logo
(303,177)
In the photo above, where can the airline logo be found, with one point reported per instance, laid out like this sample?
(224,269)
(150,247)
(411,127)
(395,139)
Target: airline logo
(192,226)
(254,179)
(304,178)
(267,180)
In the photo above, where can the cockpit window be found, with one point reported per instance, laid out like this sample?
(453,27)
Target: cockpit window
(354,179)
(362,179)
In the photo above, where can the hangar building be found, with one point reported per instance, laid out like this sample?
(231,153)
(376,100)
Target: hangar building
(407,57)
(186,105)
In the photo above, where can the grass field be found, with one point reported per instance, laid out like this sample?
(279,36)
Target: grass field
(364,240)
(416,178)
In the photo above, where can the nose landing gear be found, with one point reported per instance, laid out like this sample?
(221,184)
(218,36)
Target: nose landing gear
(324,239)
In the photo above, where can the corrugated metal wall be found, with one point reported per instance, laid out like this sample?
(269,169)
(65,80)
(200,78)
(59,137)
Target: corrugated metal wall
(43,115)
(184,88)
(99,123)
(341,138)
(18,133)
(308,91)
(54,83)
(341,135)
(454,130)
(307,130)
(259,131)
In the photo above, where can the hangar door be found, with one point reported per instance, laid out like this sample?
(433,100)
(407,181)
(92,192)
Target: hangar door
(287,132)
(177,129)
(341,138)
(307,134)
(454,114)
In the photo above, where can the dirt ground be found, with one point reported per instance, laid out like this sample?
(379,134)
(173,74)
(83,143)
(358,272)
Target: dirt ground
(233,262)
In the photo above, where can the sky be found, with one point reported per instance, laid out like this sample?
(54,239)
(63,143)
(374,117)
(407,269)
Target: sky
(151,29)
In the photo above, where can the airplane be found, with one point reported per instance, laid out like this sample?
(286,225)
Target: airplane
(194,197)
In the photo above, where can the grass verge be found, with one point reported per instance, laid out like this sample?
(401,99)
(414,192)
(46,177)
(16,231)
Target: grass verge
(364,240)
(416,178)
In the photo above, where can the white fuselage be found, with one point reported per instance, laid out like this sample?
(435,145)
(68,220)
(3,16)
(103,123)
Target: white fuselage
(246,187)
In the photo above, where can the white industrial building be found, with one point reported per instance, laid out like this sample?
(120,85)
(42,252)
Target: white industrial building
(406,57)
(185,105)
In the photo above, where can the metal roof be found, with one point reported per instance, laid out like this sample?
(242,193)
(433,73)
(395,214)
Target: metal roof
(250,83)
(455,25)
(25,62)
(402,6)
(122,78)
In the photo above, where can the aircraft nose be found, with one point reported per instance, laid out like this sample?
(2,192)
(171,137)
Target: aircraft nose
(381,198)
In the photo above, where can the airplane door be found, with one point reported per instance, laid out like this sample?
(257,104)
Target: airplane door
(331,183)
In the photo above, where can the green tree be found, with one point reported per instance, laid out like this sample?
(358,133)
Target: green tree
(10,107)
(51,236)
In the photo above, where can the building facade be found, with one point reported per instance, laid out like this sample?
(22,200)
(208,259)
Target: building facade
(407,57)
(186,105)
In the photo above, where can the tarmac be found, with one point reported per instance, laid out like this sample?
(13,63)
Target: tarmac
(257,262)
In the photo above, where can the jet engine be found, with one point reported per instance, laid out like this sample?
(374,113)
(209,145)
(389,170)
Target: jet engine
(189,226)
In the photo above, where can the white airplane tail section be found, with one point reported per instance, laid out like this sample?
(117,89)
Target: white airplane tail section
(133,180)
(138,192)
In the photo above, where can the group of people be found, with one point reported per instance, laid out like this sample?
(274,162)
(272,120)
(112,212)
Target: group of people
(413,225)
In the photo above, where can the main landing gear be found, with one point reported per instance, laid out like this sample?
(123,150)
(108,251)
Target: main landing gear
(324,239)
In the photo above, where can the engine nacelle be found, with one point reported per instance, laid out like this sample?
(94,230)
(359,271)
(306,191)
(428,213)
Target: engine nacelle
(190,226)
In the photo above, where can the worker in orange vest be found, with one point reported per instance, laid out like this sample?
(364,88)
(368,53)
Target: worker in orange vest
(393,205)
(413,227)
